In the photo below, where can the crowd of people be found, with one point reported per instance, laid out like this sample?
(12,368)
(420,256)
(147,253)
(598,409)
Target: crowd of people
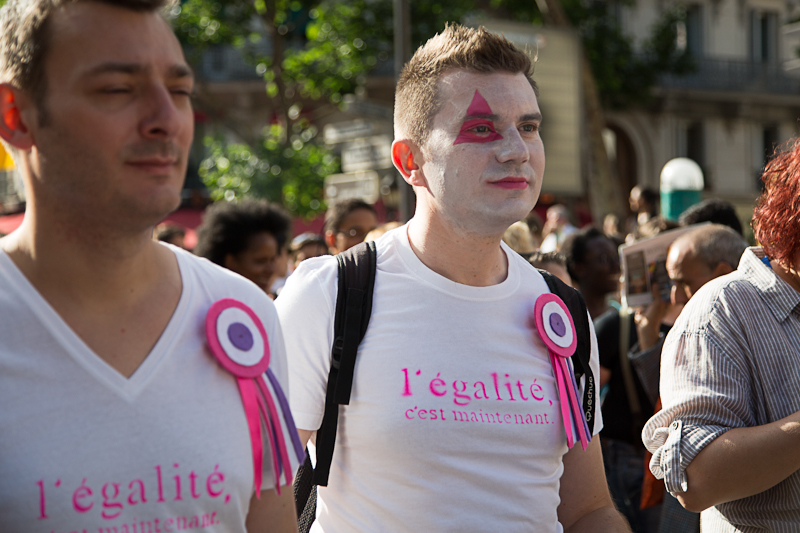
(474,369)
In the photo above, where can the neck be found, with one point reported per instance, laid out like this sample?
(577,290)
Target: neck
(456,253)
(790,275)
(75,258)
(596,304)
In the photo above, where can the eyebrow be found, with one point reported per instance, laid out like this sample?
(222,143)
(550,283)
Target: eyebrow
(175,71)
(535,117)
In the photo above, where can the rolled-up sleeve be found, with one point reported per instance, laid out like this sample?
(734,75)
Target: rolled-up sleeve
(704,393)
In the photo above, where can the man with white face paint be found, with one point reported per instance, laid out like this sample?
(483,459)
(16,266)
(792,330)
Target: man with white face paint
(453,422)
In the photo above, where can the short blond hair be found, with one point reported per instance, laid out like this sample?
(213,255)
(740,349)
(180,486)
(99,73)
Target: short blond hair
(456,47)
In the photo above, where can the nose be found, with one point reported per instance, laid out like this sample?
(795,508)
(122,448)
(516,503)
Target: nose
(513,148)
(162,117)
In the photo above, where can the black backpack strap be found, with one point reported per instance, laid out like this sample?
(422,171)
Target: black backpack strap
(353,309)
(580,359)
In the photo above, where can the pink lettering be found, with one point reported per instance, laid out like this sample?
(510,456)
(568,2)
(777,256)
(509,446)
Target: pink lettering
(496,386)
(482,389)
(82,493)
(508,386)
(422,414)
(168,524)
(177,485)
(459,397)
(436,386)
(214,478)
(142,498)
(42,501)
(538,388)
(407,387)
(507,418)
(108,503)
(160,485)
(411,411)
(519,387)
(192,479)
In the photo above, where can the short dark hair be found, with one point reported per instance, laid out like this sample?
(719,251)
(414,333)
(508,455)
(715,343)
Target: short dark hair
(456,47)
(167,232)
(227,227)
(25,40)
(714,244)
(339,211)
(654,226)
(540,259)
(713,210)
(652,198)
(575,247)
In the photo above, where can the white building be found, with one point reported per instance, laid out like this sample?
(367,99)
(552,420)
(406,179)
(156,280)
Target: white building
(727,115)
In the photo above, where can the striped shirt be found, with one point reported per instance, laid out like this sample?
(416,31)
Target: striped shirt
(731,360)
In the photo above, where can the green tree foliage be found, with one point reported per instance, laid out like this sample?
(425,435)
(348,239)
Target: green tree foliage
(270,169)
(321,50)
(624,78)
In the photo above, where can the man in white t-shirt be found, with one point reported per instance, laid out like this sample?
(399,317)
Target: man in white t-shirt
(116,415)
(453,422)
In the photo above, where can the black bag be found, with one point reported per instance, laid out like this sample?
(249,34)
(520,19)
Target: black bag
(353,309)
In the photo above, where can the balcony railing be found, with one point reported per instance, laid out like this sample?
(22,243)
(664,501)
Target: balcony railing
(734,76)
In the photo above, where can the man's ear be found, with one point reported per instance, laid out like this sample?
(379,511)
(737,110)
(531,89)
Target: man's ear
(13,129)
(405,159)
(330,240)
(721,269)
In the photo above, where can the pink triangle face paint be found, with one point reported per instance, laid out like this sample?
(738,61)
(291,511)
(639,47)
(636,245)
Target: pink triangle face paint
(477,118)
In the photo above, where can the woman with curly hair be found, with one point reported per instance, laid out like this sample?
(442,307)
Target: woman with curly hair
(245,237)
(727,438)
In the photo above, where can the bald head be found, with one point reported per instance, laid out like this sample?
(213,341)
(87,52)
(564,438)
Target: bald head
(699,256)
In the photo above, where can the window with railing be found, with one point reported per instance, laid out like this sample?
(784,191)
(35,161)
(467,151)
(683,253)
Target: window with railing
(763,36)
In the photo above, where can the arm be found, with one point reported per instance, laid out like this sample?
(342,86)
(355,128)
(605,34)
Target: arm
(706,443)
(272,513)
(743,462)
(585,502)
(305,435)
(648,321)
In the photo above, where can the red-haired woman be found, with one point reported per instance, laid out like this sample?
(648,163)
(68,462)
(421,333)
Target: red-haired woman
(727,440)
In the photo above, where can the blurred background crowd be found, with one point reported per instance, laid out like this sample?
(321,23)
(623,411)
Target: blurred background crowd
(676,105)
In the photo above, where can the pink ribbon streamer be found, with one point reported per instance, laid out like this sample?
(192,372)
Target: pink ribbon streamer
(283,452)
(249,399)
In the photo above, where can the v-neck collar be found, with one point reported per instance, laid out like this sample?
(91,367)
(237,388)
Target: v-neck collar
(80,352)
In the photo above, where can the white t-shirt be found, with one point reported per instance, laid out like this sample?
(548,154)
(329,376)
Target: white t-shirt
(454,422)
(84,449)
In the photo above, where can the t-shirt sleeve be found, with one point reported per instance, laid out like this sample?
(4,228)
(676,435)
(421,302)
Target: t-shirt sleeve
(306,312)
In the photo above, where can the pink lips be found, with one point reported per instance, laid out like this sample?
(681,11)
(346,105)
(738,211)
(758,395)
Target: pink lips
(510,183)
(154,164)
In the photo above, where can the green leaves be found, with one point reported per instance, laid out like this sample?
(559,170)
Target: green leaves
(291,173)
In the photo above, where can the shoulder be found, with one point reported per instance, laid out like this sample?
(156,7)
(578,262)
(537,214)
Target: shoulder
(213,282)
(719,302)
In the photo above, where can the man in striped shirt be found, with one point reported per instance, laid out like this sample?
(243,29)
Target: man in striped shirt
(727,439)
